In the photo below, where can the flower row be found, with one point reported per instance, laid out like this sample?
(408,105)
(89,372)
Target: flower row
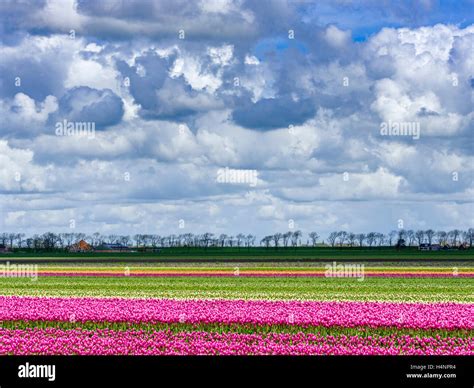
(303,313)
(109,342)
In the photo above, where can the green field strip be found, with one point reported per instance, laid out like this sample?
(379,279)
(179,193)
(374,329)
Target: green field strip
(361,331)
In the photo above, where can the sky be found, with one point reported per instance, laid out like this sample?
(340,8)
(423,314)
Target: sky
(170,117)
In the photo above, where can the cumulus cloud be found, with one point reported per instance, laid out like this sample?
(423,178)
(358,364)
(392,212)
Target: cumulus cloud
(178,90)
(84,104)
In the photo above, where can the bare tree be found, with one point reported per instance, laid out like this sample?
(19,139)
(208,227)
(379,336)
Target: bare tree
(420,236)
(470,233)
(342,237)
(351,238)
(206,238)
(266,241)
(125,240)
(286,238)
(441,237)
(188,240)
(49,241)
(314,237)
(371,238)
(453,235)
(222,240)
(276,239)
(391,237)
(380,238)
(4,238)
(112,239)
(11,239)
(19,238)
(240,238)
(429,235)
(410,236)
(332,238)
(295,238)
(68,239)
(96,239)
(249,240)
(29,243)
(361,238)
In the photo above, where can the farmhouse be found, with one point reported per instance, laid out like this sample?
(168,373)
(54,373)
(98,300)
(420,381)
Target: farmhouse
(81,246)
(3,248)
(424,247)
(439,247)
(116,247)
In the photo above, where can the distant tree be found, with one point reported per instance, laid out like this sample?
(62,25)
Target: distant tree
(400,243)
(441,237)
(420,236)
(361,239)
(29,243)
(19,238)
(266,241)
(4,238)
(380,237)
(222,239)
(286,238)
(250,240)
(465,237)
(155,239)
(79,236)
(239,239)
(391,237)
(429,235)
(410,236)
(207,237)
(96,239)
(11,239)
(332,238)
(295,238)
(49,241)
(37,242)
(453,236)
(125,240)
(276,239)
(351,238)
(371,238)
(314,238)
(342,237)
(470,233)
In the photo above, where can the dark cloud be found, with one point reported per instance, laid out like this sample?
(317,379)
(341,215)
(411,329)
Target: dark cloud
(143,87)
(270,113)
(84,104)
(39,76)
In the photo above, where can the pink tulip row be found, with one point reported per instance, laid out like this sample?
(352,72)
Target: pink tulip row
(109,342)
(302,313)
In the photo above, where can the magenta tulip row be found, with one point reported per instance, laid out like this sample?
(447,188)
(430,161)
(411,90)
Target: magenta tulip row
(303,313)
(109,342)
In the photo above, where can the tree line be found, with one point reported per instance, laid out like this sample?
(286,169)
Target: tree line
(52,241)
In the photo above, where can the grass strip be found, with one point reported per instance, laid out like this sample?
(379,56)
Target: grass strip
(361,331)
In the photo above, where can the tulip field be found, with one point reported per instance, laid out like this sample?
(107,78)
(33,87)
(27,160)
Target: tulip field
(271,310)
